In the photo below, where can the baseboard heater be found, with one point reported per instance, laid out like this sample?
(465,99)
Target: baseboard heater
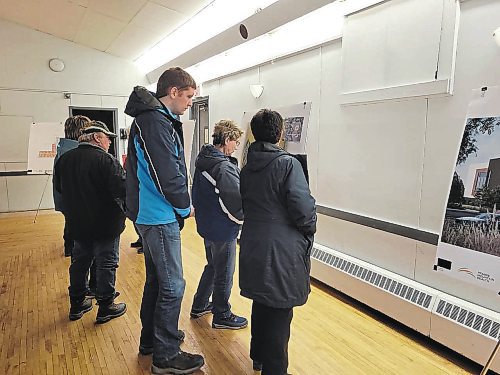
(464,327)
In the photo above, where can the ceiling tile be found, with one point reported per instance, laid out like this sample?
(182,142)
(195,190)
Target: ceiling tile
(188,7)
(22,12)
(60,18)
(132,42)
(98,31)
(158,19)
(123,10)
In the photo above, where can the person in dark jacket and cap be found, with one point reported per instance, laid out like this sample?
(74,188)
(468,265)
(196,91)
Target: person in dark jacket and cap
(92,184)
(276,241)
(73,129)
(158,202)
(219,215)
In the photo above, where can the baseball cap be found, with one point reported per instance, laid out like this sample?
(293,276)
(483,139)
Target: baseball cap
(98,126)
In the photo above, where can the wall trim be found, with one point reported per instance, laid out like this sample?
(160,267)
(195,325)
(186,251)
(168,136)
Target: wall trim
(397,229)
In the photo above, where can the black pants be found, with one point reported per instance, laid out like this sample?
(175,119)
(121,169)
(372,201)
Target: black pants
(68,241)
(105,254)
(270,335)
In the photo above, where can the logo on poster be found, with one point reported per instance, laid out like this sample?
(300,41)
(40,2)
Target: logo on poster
(481,276)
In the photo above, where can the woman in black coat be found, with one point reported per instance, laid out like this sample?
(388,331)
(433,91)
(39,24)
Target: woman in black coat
(276,241)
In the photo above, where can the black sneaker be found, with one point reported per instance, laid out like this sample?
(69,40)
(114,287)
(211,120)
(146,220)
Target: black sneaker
(231,322)
(106,313)
(147,350)
(195,313)
(137,243)
(257,366)
(182,363)
(77,310)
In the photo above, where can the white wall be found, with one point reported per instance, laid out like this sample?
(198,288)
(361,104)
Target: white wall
(31,92)
(391,160)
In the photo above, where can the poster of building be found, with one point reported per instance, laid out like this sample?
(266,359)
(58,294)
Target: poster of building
(469,247)
(42,146)
(295,126)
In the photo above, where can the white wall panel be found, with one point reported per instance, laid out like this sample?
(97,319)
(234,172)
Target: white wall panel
(26,192)
(392,44)
(370,162)
(393,253)
(14,131)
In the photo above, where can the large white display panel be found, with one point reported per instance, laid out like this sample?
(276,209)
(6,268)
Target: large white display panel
(392,44)
(370,163)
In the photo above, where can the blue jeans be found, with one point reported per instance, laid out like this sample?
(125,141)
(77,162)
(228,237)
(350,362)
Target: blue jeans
(217,278)
(163,289)
(105,254)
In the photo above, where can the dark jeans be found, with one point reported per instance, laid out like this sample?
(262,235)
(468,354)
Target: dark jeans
(105,254)
(163,289)
(217,278)
(270,335)
(91,277)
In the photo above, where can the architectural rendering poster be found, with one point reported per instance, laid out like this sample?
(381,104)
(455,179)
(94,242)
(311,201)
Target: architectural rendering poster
(469,247)
(42,147)
(296,123)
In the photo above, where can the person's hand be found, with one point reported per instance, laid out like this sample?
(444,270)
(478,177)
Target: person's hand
(191,214)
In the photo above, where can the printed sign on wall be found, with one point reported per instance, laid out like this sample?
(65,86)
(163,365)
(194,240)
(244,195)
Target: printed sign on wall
(42,148)
(469,247)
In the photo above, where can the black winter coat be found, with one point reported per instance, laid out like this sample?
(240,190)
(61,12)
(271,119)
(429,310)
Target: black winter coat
(92,184)
(277,234)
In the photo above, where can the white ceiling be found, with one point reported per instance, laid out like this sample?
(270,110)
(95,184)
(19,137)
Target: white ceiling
(124,28)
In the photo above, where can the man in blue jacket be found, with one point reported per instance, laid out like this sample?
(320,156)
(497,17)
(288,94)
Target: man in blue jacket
(219,215)
(158,202)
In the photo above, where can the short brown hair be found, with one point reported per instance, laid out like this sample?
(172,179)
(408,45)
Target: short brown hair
(174,77)
(74,125)
(226,129)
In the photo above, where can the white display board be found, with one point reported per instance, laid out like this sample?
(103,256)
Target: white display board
(296,123)
(14,140)
(469,247)
(43,140)
(399,48)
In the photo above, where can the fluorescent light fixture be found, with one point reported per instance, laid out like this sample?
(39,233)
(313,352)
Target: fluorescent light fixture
(216,17)
(315,28)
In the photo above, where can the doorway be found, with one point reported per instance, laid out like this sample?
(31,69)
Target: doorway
(106,115)
(200,115)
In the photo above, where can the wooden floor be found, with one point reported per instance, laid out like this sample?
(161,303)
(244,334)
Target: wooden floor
(331,334)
